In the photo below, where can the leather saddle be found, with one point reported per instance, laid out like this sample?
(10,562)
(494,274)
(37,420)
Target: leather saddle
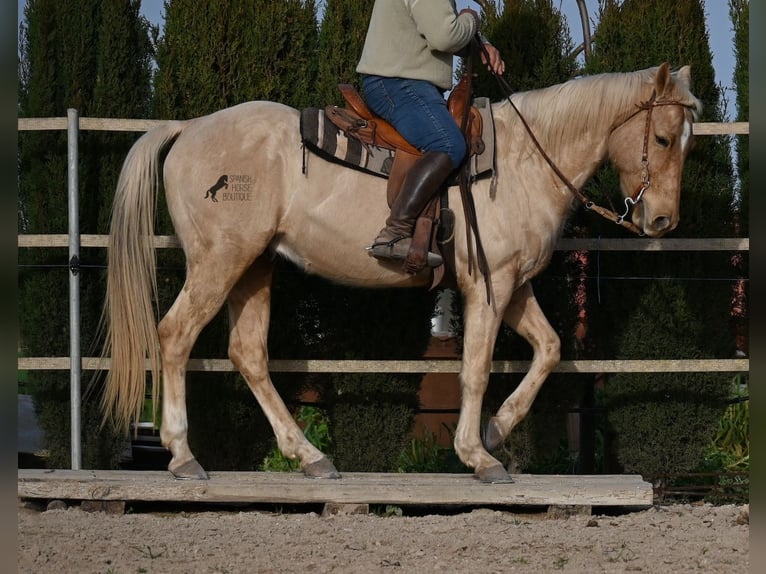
(357,120)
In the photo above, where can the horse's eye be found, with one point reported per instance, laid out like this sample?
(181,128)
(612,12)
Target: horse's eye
(661,141)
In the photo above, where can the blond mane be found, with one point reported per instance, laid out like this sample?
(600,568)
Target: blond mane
(563,112)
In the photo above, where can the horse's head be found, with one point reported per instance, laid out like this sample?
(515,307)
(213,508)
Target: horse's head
(650,146)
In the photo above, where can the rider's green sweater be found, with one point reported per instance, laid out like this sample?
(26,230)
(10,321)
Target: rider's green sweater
(415,39)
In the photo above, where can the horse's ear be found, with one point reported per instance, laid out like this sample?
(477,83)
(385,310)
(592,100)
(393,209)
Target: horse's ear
(684,75)
(662,79)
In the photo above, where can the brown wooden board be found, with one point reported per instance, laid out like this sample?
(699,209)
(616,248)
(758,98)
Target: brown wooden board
(352,488)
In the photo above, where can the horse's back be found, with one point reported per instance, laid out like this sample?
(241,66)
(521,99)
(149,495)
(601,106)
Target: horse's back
(238,130)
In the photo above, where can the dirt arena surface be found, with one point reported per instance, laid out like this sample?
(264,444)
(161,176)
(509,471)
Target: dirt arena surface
(676,538)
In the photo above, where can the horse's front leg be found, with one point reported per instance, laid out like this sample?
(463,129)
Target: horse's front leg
(249,310)
(525,317)
(481,323)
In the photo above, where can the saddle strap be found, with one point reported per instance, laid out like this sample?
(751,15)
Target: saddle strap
(472,231)
(464,180)
(444,243)
(422,237)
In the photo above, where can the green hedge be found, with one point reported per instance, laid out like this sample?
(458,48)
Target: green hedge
(663,422)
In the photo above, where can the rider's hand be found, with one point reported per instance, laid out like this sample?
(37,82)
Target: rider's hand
(495,64)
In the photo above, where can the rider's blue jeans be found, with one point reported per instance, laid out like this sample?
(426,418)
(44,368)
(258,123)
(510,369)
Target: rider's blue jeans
(418,110)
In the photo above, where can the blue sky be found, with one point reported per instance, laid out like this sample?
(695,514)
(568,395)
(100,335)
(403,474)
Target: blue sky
(717,14)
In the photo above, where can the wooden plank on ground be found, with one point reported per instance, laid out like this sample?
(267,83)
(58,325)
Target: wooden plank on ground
(352,488)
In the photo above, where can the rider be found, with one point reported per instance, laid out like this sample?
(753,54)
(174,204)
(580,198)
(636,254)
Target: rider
(406,64)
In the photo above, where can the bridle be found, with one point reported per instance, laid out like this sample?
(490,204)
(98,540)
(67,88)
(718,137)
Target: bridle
(646,181)
(630,201)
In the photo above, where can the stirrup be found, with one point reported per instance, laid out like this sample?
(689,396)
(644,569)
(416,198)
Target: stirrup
(385,250)
(389,243)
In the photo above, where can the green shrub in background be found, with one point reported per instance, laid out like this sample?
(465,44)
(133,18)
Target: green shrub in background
(101,448)
(663,423)
(722,476)
(730,448)
(372,416)
(313,421)
(227,428)
(425,454)
(728,454)
(539,443)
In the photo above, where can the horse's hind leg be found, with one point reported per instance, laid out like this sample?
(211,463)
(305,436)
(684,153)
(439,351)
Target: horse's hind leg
(249,310)
(199,301)
(525,317)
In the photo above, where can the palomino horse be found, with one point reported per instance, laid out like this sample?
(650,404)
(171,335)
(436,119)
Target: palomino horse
(324,219)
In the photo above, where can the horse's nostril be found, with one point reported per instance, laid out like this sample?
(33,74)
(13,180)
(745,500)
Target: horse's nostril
(661,223)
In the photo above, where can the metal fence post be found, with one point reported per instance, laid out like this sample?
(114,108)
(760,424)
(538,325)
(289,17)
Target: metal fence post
(75,369)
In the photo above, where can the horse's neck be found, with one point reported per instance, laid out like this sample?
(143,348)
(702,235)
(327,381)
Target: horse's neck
(549,144)
(573,121)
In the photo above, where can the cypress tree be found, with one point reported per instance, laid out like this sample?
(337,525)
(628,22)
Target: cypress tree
(217,54)
(739,11)
(535,42)
(78,55)
(678,35)
(341,37)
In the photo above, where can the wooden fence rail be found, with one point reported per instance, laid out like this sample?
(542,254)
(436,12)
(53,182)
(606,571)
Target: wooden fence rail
(417,366)
(564,244)
(142,125)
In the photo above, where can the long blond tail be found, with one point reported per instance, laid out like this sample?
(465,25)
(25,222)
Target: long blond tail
(130,310)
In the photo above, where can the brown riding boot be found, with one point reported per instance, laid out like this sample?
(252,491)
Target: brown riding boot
(420,183)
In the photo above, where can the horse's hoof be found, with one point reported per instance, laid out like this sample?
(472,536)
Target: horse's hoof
(190,470)
(322,468)
(492,438)
(494,475)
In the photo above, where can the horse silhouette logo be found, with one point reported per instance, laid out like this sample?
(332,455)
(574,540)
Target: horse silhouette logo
(222,183)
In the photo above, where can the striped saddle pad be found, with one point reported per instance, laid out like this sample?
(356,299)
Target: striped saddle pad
(324,138)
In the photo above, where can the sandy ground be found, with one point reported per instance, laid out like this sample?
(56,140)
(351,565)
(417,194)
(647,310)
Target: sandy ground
(677,538)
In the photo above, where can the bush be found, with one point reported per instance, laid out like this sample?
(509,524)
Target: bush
(663,425)
(728,454)
(227,428)
(663,422)
(539,443)
(101,448)
(427,455)
(372,416)
(313,421)
(730,448)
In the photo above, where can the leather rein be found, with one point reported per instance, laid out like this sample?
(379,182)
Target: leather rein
(647,106)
